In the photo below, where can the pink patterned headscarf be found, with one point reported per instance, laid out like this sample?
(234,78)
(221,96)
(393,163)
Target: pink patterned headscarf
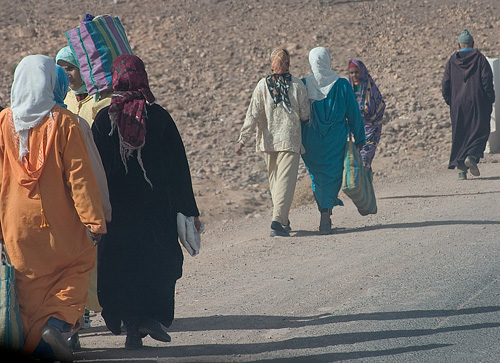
(371,103)
(127,111)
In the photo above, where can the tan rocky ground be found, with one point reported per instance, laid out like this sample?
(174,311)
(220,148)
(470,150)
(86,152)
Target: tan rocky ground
(417,282)
(204,57)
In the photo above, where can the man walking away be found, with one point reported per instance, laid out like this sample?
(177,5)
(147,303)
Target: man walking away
(467,87)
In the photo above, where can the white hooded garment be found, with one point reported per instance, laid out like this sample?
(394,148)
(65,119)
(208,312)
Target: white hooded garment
(32,95)
(322,79)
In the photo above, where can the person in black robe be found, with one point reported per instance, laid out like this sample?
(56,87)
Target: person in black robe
(149,183)
(467,87)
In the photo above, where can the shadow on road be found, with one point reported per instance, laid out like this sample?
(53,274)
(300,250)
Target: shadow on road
(302,233)
(488,178)
(260,322)
(307,342)
(236,322)
(336,357)
(442,195)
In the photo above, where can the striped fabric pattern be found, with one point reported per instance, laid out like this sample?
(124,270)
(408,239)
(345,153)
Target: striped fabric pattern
(357,181)
(96,44)
(11,329)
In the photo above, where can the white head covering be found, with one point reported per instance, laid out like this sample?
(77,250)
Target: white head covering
(32,95)
(322,79)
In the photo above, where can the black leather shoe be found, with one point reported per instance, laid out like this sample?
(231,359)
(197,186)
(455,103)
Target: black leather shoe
(277,230)
(471,163)
(133,342)
(325,223)
(287,227)
(155,330)
(59,345)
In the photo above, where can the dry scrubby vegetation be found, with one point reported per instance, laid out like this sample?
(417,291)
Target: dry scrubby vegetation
(204,57)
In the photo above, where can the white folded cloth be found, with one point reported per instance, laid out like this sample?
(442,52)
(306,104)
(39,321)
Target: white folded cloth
(188,234)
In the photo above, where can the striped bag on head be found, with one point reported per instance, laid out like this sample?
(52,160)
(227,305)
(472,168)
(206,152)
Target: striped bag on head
(357,181)
(96,44)
(11,328)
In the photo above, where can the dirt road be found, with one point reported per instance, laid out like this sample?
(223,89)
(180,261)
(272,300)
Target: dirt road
(418,282)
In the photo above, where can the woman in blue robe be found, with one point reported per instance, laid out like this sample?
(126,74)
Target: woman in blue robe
(334,113)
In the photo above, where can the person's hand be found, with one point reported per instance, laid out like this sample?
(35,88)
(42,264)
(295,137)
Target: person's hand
(94,237)
(238,148)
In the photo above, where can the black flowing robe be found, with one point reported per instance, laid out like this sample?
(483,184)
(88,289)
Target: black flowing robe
(467,87)
(140,258)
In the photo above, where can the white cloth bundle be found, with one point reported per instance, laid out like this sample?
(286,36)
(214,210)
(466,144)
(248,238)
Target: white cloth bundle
(188,234)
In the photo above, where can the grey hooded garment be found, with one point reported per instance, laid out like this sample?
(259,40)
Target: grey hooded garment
(467,87)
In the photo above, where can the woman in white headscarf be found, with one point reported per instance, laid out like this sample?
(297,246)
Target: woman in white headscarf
(334,113)
(49,207)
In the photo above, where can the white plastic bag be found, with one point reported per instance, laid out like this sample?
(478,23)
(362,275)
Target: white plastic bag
(188,234)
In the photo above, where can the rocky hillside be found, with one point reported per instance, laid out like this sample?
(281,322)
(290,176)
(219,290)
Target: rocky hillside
(204,57)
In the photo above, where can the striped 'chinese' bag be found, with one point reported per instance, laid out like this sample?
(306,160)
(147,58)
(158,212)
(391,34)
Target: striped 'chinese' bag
(11,328)
(357,182)
(96,44)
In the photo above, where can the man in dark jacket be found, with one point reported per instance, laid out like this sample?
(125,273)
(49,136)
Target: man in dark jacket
(467,87)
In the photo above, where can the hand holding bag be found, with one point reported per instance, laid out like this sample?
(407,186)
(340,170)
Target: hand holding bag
(11,328)
(188,234)
(357,181)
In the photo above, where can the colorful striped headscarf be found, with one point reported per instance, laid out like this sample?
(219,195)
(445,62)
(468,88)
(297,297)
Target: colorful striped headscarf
(127,111)
(278,83)
(371,103)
